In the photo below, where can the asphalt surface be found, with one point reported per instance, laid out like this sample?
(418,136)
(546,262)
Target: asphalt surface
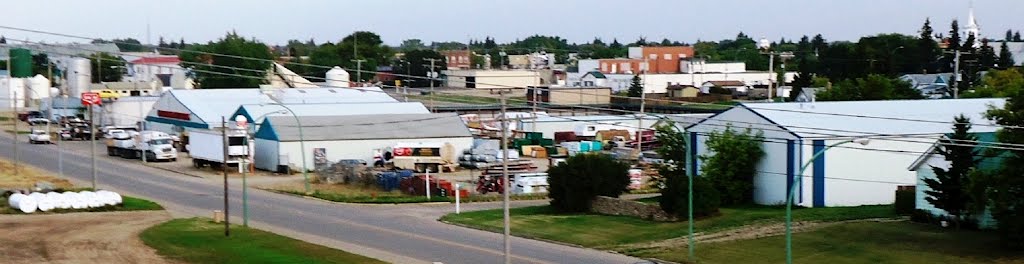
(393,233)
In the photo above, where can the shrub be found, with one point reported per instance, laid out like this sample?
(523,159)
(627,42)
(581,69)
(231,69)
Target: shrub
(573,185)
(733,164)
(675,194)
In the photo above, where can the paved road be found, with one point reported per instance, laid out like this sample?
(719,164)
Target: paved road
(392,233)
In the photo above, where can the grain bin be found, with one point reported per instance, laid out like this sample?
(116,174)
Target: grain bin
(337,77)
(79,76)
(21,63)
(40,87)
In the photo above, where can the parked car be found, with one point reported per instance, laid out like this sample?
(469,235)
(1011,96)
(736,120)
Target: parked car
(651,157)
(109,95)
(39,137)
(25,117)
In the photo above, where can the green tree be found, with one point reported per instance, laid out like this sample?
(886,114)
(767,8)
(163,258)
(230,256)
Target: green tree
(928,48)
(999,83)
(250,73)
(109,68)
(411,45)
(673,181)
(872,87)
(636,88)
(948,188)
(986,56)
(360,45)
(1005,57)
(575,183)
(733,164)
(1005,187)
(410,66)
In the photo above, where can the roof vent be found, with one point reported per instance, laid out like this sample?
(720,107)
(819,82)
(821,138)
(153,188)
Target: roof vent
(301,91)
(332,90)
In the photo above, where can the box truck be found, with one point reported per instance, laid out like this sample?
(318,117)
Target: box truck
(207,148)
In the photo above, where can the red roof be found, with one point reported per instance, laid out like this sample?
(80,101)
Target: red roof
(157,60)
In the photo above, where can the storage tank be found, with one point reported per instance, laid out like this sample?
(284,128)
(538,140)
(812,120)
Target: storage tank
(79,76)
(21,63)
(40,87)
(337,77)
(13,88)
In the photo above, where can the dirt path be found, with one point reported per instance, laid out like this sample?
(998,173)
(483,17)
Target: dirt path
(79,238)
(747,233)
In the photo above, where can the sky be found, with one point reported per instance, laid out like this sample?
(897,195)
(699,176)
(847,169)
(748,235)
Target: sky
(275,22)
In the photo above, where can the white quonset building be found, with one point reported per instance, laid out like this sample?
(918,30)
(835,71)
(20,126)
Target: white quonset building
(177,110)
(278,140)
(257,113)
(851,174)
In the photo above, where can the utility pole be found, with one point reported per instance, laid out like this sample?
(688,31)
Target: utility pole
(17,155)
(433,75)
(224,169)
(505,181)
(956,74)
(359,70)
(640,117)
(92,141)
(771,74)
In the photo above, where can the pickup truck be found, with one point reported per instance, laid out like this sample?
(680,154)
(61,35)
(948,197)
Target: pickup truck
(39,137)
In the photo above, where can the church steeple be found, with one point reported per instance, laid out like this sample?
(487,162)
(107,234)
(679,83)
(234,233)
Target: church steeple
(972,27)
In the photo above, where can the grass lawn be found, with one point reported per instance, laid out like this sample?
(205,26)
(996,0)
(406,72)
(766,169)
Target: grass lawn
(28,176)
(605,231)
(864,242)
(199,240)
(128,203)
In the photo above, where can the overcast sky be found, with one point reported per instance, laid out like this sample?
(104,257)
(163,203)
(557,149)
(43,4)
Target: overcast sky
(275,21)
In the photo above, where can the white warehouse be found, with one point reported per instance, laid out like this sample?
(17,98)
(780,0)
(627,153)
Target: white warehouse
(278,140)
(850,174)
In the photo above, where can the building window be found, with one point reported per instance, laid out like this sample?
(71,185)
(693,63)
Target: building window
(653,56)
(668,56)
(604,67)
(588,83)
(625,67)
(682,55)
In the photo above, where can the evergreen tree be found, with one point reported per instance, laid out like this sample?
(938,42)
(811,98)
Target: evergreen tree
(1005,187)
(954,36)
(948,187)
(636,88)
(928,48)
(3,40)
(986,56)
(1016,37)
(1005,57)
(1009,35)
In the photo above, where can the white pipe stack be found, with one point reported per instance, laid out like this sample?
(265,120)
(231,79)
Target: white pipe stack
(67,200)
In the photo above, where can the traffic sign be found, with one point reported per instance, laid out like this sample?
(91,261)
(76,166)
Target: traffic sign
(90,98)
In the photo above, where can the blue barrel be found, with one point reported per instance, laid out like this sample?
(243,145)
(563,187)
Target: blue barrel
(584,146)
(387,180)
(596,145)
(404,174)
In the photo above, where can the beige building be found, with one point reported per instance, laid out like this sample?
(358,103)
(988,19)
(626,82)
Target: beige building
(682,91)
(491,79)
(561,95)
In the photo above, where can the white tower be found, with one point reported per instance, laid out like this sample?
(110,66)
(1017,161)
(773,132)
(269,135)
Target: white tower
(972,27)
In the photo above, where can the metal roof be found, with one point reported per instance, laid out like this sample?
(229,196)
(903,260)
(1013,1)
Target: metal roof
(343,109)
(363,127)
(823,119)
(210,104)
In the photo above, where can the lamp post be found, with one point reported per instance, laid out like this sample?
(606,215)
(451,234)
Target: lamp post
(302,147)
(797,179)
(689,179)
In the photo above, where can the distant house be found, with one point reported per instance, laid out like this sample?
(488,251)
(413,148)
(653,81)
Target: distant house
(562,95)
(807,94)
(593,78)
(682,91)
(923,169)
(738,87)
(935,85)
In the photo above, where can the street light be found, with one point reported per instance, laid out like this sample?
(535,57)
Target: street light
(689,184)
(302,146)
(797,179)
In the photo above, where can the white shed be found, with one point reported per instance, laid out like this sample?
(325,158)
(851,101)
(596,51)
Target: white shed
(848,175)
(351,137)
